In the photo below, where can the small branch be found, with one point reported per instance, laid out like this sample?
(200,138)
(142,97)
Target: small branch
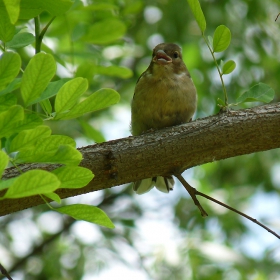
(277,17)
(238,212)
(5,272)
(192,191)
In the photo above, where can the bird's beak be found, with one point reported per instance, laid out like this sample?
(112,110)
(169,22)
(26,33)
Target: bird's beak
(162,58)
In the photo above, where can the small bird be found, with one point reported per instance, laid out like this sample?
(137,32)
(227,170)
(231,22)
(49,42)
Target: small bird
(164,96)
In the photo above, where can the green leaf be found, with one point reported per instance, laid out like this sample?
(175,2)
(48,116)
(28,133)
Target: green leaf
(46,106)
(10,63)
(31,120)
(33,182)
(4,184)
(4,160)
(51,90)
(105,31)
(53,196)
(21,40)
(221,39)
(12,7)
(52,149)
(259,92)
(29,9)
(198,14)
(7,101)
(228,67)
(92,133)
(56,7)
(67,155)
(73,177)
(9,119)
(87,213)
(28,138)
(7,30)
(69,93)
(115,71)
(11,87)
(98,100)
(36,76)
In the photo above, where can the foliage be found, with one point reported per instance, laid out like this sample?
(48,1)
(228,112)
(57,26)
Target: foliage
(26,104)
(157,236)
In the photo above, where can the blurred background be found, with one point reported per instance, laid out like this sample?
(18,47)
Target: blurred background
(157,236)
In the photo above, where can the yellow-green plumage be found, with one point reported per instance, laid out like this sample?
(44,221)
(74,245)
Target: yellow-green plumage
(164,96)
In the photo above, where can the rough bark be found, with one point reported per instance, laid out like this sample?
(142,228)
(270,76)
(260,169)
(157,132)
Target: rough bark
(166,151)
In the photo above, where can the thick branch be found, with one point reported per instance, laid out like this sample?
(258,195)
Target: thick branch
(169,150)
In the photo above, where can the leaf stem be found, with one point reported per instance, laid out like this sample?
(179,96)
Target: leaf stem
(47,202)
(40,35)
(218,68)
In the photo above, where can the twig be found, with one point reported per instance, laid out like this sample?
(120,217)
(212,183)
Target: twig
(238,212)
(192,191)
(5,272)
(277,17)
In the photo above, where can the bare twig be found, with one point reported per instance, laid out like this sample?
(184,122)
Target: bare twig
(238,212)
(193,193)
(5,272)
(277,17)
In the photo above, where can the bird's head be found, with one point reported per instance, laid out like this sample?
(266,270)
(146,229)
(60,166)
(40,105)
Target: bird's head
(167,56)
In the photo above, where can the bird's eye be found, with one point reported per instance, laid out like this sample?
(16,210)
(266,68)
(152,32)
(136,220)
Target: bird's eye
(175,55)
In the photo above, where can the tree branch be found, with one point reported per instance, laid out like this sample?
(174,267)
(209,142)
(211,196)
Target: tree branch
(167,151)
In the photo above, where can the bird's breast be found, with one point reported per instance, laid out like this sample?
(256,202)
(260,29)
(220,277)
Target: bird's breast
(162,101)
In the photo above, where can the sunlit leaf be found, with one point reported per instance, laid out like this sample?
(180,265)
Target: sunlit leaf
(53,196)
(51,90)
(12,8)
(68,94)
(52,149)
(4,159)
(7,29)
(87,213)
(221,39)
(31,183)
(9,119)
(198,14)
(28,138)
(73,177)
(10,63)
(38,73)
(98,100)
(228,67)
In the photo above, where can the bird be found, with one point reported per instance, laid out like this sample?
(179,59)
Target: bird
(164,96)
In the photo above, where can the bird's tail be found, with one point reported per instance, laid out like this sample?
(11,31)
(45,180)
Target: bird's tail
(163,184)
